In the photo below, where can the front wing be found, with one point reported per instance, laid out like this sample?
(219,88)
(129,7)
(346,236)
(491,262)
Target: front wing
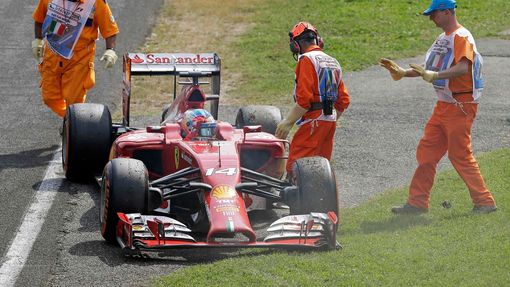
(136,232)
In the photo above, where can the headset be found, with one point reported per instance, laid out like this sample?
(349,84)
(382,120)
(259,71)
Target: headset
(296,33)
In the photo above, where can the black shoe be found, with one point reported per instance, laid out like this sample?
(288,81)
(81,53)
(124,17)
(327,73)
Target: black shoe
(408,209)
(482,209)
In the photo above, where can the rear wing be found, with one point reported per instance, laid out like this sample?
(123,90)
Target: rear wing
(171,64)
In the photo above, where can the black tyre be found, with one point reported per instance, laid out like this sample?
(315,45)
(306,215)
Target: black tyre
(125,188)
(317,191)
(267,116)
(86,140)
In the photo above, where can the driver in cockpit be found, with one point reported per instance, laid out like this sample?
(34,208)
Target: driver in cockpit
(198,124)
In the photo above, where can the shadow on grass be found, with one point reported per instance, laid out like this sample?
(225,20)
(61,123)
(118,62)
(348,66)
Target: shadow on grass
(394,223)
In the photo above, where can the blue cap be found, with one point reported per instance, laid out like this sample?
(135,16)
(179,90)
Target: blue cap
(439,5)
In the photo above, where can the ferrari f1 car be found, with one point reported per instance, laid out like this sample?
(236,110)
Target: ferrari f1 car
(161,189)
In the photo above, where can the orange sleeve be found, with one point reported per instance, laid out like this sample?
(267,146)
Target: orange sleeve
(306,81)
(463,49)
(343,100)
(105,20)
(40,11)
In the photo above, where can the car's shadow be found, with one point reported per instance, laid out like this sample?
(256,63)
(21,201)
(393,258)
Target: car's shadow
(27,158)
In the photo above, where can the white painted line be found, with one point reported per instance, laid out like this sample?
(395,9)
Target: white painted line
(21,246)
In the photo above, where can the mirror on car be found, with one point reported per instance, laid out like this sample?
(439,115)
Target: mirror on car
(252,129)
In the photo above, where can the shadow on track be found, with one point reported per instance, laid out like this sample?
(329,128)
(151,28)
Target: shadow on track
(27,158)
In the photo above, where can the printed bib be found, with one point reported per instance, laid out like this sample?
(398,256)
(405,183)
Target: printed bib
(63,24)
(440,57)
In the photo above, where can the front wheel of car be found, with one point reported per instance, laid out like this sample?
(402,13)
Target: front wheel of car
(316,186)
(266,116)
(86,140)
(124,188)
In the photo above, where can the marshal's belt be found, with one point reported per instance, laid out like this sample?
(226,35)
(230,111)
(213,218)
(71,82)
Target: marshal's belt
(315,106)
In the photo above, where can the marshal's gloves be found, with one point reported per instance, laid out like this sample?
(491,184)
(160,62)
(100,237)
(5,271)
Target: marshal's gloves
(37,48)
(396,71)
(109,58)
(427,75)
(283,129)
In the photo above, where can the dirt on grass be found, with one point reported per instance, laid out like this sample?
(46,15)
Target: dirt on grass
(195,26)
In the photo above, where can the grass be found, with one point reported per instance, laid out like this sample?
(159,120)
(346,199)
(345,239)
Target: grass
(446,247)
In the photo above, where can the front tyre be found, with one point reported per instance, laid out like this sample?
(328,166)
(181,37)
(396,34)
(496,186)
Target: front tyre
(317,191)
(124,188)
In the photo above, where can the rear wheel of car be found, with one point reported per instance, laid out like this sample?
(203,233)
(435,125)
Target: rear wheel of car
(86,140)
(124,188)
(317,191)
(266,116)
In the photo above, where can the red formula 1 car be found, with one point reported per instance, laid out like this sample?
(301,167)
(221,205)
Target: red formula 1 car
(161,189)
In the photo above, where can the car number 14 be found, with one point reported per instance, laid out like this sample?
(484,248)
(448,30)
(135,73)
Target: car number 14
(226,171)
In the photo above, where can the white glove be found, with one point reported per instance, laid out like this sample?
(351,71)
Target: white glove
(109,57)
(37,48)
(396,72)
(283,129)
(427,75)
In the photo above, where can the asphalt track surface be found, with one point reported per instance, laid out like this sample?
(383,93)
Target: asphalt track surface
(375,147)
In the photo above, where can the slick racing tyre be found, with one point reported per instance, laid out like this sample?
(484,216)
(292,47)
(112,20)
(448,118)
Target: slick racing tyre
(317,191)
(124,188)
(86,140)
(267,116)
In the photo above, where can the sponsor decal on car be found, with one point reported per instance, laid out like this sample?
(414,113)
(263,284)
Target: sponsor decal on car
(138,228)
(182,59)
(223,192)
(136,60)
(186,158)
(227,210)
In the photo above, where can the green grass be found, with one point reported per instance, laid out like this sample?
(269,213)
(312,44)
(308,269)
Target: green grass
(445,247)
(356,32)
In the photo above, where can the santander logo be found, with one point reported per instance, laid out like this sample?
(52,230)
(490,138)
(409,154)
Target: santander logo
(137,60)
(196,60)
(182,59)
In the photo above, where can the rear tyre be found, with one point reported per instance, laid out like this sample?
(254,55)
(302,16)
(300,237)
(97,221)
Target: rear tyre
(317,191)
(266,116)
(125,188)
(86,140)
